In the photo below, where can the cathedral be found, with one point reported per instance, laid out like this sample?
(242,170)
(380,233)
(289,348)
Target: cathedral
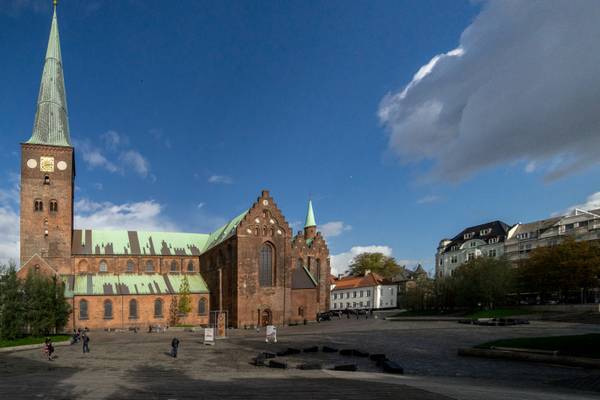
(253,270)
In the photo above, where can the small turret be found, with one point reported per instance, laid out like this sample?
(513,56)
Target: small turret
(310,226)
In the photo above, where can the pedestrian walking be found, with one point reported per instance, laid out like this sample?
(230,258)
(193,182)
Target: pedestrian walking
(86,343)
(49,349)
(174,347)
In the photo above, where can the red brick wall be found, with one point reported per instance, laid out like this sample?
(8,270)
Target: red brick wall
(56,246)
(318,251)
(305,298)
(120,317)
(118,264)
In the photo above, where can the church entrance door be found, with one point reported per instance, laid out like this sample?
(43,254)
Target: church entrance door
(266,317)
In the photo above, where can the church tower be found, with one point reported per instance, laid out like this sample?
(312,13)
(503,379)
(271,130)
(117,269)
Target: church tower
(48,170)
(310,226)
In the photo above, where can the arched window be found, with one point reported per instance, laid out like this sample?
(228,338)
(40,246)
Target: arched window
(158,308)
(191,266)
(301,311)
(103,266)
(173,266)
(38,205)
(299,263)
(83,266)
(202,306)
(53,206)
(133,309)
(149,266)
(46,180)
(265,273)
(130,266)
(83,309)
(108,312)
(318,268)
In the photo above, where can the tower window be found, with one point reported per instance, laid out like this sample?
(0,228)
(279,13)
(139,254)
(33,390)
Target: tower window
(38,205)
(46,180)
(53,206)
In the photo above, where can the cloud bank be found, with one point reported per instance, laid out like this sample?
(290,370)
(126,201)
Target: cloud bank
(522,86)
(334,228)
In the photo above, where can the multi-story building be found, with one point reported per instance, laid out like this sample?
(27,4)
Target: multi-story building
(358,292)
(253,268)
(475,241)
(580,225)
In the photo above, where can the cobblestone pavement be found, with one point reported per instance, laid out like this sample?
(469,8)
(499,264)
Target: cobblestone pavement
(128,365)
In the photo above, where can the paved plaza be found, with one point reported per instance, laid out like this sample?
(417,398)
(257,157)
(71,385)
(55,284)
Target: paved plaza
(129,365)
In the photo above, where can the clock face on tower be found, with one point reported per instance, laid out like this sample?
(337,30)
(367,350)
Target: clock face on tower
(47,164)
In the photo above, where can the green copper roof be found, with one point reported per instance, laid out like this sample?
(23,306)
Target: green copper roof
(310,216)
(224,232)
(130,284)
(51,124)
(99,242)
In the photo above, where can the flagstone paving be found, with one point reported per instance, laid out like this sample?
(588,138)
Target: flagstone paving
(137,365)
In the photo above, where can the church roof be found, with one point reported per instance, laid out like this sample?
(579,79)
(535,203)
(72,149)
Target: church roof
(51,125)
(310,216)
(144,243)
(134,284)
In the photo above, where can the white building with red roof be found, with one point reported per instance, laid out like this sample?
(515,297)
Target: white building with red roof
(370,291)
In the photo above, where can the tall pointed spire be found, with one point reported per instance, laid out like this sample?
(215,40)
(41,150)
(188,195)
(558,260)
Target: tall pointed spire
(310,216)
(51,124)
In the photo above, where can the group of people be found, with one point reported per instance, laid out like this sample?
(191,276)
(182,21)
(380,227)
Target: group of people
(81,335)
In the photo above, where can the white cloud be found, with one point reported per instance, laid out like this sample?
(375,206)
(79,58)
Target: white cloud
(200,205)
(112,139)
(144,215)
(428,199)
(9,235)
(94,157)
(592,202)
(521,86)
(135,160)
(223,179)
(340,262)
(334,228)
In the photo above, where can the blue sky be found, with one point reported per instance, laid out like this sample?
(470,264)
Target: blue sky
(181,112)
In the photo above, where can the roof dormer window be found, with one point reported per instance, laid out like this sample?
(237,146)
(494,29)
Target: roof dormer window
(469,235)
(485,231)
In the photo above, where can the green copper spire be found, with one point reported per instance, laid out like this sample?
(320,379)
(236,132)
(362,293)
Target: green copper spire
(51,124)
(310,216)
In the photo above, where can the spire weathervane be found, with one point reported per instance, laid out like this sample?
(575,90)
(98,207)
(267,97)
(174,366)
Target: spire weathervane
(55,2)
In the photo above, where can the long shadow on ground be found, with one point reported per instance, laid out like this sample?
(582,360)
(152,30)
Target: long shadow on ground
(159,383)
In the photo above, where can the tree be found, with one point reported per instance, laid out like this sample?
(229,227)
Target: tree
(60,307)
(173,311)
(569,266)
(419,294)
(185,301)
(378,263)
(11,304)
(483,281)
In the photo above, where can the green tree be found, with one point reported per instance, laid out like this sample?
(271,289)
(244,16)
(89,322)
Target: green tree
(173,311)
(419,293)
(39,312)
(569,266)
(11,303)
(483,282)
(185,300)
(60,307)
(378,263)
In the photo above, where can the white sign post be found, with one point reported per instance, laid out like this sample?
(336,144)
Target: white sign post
(209,336)
(271,334)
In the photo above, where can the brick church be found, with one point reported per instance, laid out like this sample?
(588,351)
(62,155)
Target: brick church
(253,269)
